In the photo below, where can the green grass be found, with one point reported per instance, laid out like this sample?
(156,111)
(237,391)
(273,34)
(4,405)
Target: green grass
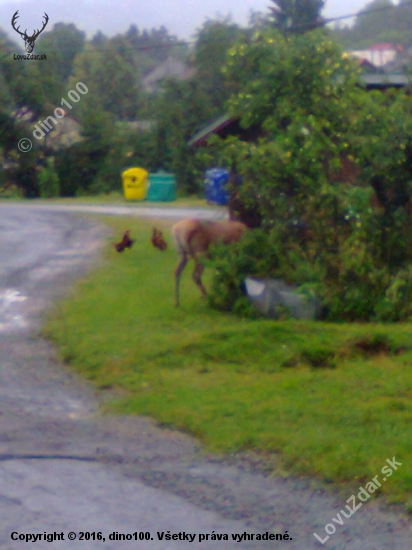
(303,392)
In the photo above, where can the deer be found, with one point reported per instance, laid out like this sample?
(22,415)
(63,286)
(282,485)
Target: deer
(29,40)
(193,239)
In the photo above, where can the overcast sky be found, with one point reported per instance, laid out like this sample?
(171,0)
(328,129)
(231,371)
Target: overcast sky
(181,17)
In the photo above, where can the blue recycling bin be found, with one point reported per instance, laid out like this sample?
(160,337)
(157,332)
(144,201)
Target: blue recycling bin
(216,186)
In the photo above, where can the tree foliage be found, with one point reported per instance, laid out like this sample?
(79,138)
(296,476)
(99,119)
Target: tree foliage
(61,45)
(297,16)
(18,81)
(181,107)
(111,80)
(213,41)
(384,21)
(113,69)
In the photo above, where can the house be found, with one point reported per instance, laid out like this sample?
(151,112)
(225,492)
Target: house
(23,114)
(143,125)
(138,125)
(385,80)
(64,133)
(402,62)
(58,131)
(224,126)
(379,54)
(368,67)
(171,68)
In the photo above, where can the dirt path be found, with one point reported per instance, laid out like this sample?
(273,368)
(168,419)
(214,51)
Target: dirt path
(64,468)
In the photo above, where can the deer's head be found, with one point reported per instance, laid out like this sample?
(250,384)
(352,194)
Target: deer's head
(28,40)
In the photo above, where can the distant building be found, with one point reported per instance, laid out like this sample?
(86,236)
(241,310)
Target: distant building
(402,62)
(171,68)
(58,132)
(140,125)
(379,54)
(64,133)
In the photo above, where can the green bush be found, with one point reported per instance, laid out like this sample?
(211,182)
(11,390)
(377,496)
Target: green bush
(261,254)
(351,286)
(396,303)
(49,185)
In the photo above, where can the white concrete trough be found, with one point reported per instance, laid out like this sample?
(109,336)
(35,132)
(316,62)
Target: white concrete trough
(272,297)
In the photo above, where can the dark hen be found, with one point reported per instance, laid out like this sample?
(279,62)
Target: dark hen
(157,240)
(126,242)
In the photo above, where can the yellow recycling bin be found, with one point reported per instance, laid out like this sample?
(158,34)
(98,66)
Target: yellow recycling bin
(135,184)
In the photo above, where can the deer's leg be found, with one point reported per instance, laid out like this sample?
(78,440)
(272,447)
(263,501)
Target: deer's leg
(178,273)
(197,277)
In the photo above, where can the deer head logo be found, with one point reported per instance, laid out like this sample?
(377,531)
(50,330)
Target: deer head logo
(29,40)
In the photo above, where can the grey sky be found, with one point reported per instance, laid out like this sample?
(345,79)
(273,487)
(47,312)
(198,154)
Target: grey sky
(181,17)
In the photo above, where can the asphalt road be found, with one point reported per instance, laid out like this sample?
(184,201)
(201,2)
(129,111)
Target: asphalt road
(66,469)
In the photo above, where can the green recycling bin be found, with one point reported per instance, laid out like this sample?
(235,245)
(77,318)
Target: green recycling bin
(162,187)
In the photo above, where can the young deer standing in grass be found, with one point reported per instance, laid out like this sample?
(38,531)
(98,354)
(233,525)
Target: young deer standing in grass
(194,237)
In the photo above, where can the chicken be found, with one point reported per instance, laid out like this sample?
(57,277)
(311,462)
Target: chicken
(157,240)
(126,242)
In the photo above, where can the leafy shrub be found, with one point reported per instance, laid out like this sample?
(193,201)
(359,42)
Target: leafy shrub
(396,303)
(49,185)
(355,284)
(260,254)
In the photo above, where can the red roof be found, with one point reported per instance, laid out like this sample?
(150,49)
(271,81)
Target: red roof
(385,46)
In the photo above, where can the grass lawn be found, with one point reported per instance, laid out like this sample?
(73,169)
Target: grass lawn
(302,392)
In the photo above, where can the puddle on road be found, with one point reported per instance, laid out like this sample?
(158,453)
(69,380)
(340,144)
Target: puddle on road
(11,317)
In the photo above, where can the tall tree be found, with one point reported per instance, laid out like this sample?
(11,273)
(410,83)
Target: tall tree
(383,21)
(111,81)
(296,15)
(213,42)
(61,45)
(180,109)
(18,84)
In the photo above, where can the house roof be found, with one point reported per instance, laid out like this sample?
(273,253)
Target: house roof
(173,68)
(214,127)
(143,125)
(368,65)
(385,46)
